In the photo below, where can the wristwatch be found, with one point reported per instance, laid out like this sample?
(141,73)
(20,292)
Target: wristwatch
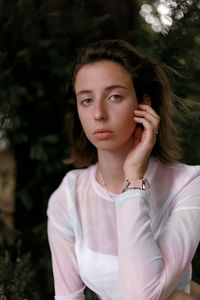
(141,184)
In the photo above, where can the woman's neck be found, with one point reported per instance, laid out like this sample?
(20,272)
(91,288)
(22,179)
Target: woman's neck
(110,169)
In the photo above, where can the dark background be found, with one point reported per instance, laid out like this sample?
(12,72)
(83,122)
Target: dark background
(39,41)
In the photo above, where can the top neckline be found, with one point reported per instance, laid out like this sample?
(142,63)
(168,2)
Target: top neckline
(104,193)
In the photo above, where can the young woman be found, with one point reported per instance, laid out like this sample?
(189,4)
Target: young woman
(127,226)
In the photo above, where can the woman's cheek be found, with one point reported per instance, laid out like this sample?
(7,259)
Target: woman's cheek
(131,122)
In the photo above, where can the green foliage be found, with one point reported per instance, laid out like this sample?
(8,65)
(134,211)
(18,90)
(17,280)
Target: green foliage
(37,49)
(180,49)
(183,53)
(17,275)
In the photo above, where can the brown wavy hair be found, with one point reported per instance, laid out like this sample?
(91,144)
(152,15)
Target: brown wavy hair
(149,77)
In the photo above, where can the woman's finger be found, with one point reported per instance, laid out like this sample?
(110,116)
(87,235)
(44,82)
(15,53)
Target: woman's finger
(149,132)
(149,111)
(151,121)
(155,120)
(146,123)
(148,108)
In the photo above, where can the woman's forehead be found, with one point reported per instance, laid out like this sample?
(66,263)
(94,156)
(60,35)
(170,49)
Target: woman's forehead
(106,71)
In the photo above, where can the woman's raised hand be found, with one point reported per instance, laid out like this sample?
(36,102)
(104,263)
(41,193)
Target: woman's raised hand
(143,141)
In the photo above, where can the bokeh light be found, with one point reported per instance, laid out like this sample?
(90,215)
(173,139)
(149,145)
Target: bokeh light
(160,14)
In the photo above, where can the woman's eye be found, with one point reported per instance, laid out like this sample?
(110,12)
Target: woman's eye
(116,97)
(86,101)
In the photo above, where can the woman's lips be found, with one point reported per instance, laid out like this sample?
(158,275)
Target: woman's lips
(103,134)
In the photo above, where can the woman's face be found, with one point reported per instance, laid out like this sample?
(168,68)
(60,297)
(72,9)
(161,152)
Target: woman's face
(106,101)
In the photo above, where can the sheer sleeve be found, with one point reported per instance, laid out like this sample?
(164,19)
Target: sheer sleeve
(67,281)
(152,268)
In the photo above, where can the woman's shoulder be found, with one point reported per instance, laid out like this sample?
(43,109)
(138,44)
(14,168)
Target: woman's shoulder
(171,183)
(69,183)
(62,198)
(76,175)
(177,172)
(185,170)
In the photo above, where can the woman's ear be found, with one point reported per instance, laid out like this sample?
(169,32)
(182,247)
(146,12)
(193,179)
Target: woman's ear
(146,99)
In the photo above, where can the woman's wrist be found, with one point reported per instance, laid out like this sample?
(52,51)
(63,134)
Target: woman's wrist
(132,174)
(135,172)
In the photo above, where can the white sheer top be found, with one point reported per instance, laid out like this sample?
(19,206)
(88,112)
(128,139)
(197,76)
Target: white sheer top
(134,246)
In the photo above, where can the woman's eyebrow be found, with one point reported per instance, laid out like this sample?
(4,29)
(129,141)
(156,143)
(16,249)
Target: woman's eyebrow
(115,86)
(84,92)
(111,87)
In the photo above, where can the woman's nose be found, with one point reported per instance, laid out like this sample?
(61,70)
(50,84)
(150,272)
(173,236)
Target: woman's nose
(100,111)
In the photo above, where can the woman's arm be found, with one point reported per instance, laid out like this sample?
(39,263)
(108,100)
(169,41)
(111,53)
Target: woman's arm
(67,281)
(180,295)
(148,268)
(195,290)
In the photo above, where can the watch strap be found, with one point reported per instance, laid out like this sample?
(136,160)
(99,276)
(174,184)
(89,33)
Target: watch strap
(140,184)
